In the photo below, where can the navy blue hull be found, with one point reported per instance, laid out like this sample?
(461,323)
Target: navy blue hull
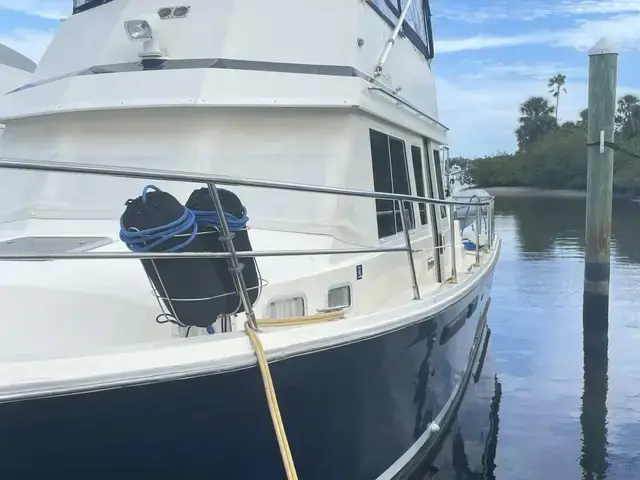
(350,412)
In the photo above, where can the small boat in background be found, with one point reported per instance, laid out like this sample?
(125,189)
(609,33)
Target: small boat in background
(227,246)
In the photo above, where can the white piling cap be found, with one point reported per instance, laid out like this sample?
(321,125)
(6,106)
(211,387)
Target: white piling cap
(603,47)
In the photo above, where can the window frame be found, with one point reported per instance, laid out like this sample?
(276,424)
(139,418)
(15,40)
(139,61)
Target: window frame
(419,177)
(89,5)
(427,49)
(439,179)
(412,224)
(335,286)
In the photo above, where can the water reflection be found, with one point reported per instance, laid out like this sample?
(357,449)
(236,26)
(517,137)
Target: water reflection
(569,408)
(468,450)
(548,225)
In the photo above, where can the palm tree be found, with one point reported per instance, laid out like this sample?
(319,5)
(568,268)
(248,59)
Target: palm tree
(535,121)
(536,107)
(556,84)
(628,115)
(584,117)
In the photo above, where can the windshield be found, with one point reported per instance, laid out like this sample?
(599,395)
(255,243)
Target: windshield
(82,5)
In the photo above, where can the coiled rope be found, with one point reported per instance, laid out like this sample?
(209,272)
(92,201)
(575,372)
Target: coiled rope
(150,238)
(211,219)
(146,240)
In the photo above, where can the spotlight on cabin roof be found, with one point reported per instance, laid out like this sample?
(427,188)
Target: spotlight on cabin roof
(138,30)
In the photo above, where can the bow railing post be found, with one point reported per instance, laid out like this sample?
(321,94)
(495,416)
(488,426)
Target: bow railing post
(452,228)
(235,267)
(407,241)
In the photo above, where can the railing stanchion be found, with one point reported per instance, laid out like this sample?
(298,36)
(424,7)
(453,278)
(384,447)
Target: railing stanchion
(234,264)
(452,228)
(407,241)
(478,224)
(489,226)
(493,221)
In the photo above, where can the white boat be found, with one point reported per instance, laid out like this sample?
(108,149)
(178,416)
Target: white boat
(128,347)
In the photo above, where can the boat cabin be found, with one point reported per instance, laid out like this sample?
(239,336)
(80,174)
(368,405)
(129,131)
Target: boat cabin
(213,88)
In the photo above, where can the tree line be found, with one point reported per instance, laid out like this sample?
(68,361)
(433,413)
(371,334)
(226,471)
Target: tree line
(552,154)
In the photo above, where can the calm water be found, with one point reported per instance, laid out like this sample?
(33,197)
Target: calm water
(528,417)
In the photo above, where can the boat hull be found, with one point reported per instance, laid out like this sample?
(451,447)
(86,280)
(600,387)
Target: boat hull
(350,412)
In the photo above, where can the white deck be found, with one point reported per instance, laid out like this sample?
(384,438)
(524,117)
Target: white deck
(164,359)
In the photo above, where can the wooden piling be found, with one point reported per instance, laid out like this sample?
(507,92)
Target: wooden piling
(603,68)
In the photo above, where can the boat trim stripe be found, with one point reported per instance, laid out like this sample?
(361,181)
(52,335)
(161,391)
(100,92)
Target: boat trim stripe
(206,63)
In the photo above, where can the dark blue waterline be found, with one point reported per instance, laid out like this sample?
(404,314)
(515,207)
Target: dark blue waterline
(350,412)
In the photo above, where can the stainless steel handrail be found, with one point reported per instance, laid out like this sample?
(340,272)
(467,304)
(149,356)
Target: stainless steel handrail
(227,237)
(408,104)
(171,176)
(159,255)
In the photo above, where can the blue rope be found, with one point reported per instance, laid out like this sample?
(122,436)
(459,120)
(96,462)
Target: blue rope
(210,218)
(145,240)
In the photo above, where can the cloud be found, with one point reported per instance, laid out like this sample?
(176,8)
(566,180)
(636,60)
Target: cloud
(482,116)
(530,10)
(539,71)
(29,42)
(621,30)
(50,9)
(480,42)
(482,70)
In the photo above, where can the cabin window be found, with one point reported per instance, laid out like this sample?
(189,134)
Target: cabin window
(417,24)
(439,181)
(82,5)
(416,156)
(390,175)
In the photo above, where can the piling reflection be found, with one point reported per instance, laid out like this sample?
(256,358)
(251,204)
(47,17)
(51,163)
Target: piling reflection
(549,229)
(593,418)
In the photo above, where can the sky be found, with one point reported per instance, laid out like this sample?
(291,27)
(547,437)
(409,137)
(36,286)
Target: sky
(490,55)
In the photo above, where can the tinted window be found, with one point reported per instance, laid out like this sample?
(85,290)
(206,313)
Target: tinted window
(439,184)
(417,24)
(390,175)
(82,5)
(416,156)
(400,174)
(382,182)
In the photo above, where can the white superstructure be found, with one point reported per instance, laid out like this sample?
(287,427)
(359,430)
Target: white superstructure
(319,93)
